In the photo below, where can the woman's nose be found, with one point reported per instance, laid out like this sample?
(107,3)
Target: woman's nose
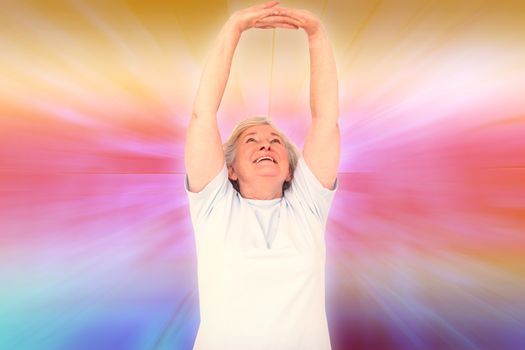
(264,145)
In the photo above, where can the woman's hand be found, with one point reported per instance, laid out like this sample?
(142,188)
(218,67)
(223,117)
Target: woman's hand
(291,18)
(249,17)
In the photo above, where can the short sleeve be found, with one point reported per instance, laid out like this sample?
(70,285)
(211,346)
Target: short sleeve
(202,203)
(309,192)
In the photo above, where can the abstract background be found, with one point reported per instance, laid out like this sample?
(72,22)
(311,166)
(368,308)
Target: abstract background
(426,236)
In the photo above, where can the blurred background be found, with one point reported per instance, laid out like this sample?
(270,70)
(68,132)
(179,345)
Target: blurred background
(426,236)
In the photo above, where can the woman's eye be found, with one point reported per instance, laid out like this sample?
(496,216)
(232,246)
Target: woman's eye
(276,141)
(251,139)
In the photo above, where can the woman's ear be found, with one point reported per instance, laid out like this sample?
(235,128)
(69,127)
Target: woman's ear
(231,174)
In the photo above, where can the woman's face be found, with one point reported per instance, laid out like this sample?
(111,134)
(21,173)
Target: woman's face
(260,154)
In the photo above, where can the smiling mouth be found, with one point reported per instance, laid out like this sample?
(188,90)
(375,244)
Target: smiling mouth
(265,158)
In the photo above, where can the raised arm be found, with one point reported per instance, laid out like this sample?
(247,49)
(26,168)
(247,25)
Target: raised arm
(322,146)
(204,156)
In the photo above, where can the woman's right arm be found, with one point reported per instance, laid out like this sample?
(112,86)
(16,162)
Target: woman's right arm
(204,156)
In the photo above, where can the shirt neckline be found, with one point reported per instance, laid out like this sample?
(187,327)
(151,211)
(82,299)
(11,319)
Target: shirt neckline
(263,202)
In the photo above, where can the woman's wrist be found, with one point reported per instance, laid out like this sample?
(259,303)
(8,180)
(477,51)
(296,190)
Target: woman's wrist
(317,33)
(232,27)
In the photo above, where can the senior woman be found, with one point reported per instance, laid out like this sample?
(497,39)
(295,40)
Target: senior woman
(259,207)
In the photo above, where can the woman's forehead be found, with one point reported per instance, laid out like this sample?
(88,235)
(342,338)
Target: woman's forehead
(262,129)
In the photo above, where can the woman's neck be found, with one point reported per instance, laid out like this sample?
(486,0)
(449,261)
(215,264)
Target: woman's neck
(261,191)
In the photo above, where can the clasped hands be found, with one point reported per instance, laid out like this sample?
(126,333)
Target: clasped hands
(270,15)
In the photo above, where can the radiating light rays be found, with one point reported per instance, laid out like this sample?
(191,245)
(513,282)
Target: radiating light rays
(451,79)
(406,290)
(358,33)
(133,60)
(103,242)
(65,72)
(432,194)
(425,237)
(426,71)
(50,66)
(437,178)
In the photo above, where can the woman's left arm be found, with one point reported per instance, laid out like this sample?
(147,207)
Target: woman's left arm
(322,146)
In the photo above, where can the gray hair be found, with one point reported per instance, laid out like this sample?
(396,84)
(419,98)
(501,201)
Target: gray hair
(231,143)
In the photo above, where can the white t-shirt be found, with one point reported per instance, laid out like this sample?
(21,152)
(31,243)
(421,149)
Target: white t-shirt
(261,266)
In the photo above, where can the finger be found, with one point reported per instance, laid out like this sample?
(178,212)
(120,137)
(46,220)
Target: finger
(275,25)
(292,13)
(280,19)
(267,13)
(264,27)
(269,4)
(286,26)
